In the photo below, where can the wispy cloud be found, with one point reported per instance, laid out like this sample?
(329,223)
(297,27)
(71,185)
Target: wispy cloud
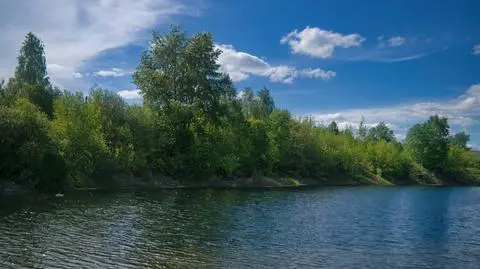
(80,31)
(405,58)
(462,111)
(319,43)
(113,72)
(391,56)
(241,65)
(476,49)
(396,41)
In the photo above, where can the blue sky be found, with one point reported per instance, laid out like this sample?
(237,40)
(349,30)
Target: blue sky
(392,61)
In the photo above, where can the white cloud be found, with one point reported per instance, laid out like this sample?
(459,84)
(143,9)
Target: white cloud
(75,31)
(405,58)
(114,72)
(319,43)
(476,49)
(241,65)
(77,75)
(130,94)
(462,111)
(316,73)
(396,41)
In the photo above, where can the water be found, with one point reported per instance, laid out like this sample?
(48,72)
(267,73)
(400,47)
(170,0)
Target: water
(359,227)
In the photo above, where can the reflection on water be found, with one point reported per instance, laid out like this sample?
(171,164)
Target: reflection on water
(404,227)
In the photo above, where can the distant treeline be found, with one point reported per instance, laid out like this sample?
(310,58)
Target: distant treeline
(194,126)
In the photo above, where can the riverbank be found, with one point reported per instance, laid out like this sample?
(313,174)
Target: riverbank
(153,182)
(126,182)
(123,181)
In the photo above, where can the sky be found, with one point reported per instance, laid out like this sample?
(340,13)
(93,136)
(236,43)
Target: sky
(396,61)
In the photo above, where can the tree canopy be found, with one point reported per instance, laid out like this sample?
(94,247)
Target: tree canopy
(194,125)
(381,132)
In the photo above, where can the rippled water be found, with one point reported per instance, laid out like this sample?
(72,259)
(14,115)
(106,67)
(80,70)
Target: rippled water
(360,227)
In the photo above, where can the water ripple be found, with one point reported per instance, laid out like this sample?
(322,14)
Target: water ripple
(323,228)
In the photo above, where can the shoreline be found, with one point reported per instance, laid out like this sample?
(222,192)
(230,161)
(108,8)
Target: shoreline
(131,183)
(253,183)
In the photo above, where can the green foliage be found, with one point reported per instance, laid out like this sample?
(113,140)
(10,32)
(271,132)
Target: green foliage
(459,140)
(267,105)
(333,127)
(32,67)
(77,131)
(428,143)
(182,72)
(386,160)
(362,130)
(461,165)
(380,132)
(31,80)
(259,105)
(192,126)
(28,155)
(259,147)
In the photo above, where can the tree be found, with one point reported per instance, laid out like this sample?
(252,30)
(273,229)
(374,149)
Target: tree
(459,140)
(28,155)
(260,161)
(428,142)
(362,130)
(76,129)
(333,127)
(193,126)
(3,93)
(248,102)
(267,105)
(181,70)
(32,67)
(380,132)
(280,127)
(31,80)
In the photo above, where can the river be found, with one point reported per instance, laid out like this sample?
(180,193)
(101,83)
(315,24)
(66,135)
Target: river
(333,227)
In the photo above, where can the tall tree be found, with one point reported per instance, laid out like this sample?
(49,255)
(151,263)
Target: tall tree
(180,79)
(181,70)
(362,130)
(267,105)
(31,80)
(32,67)
(247,100)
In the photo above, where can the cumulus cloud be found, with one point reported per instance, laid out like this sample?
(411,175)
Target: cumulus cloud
(80,31)
(130,94)
(462,111)
(114,72)
(241,65)
(476,49)
(396,41)
(319,43)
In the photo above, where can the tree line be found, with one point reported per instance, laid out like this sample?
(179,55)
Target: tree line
(193,125)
